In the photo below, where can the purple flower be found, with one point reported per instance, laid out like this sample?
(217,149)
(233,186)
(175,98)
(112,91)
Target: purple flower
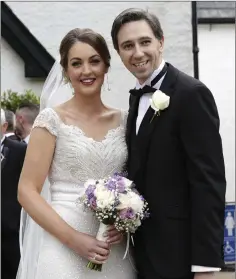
(111,184)
(142,198)
(90,196)
(130,213)
(127,213)
(93,202)
(120,186)
(90,190)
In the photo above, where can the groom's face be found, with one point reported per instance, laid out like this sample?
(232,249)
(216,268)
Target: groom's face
(139,49)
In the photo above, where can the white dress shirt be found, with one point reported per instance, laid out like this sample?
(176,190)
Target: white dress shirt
(144,104)
(26,140)
(10,134)
(2,140)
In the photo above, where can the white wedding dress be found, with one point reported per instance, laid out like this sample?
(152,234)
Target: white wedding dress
(76,159)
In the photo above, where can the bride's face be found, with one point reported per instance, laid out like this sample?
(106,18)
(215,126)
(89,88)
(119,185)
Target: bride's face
(86,69)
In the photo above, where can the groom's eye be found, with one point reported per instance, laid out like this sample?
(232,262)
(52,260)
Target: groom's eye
(146,42)
(128,46)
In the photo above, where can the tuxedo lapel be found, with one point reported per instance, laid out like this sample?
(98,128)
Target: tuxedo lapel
(131,120)
(168,84)
(147,126)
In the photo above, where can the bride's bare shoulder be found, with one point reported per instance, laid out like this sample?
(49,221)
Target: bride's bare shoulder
(62,110)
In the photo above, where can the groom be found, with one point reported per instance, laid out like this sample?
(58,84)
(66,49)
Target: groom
(175,157)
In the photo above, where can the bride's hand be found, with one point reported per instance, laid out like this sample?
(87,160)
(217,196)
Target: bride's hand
(90,248)
(114,236)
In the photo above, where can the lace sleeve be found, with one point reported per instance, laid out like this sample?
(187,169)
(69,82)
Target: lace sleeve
(47,119)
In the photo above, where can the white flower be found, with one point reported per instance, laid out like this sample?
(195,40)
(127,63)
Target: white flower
(130,199)
(105,197)
(159,101)
(127,182)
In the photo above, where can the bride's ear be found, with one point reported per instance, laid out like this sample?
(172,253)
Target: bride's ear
(65,76)
(106,70)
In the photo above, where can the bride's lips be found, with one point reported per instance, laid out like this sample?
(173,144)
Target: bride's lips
(87,81)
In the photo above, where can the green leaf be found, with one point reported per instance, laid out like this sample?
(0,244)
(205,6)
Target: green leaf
(11,100)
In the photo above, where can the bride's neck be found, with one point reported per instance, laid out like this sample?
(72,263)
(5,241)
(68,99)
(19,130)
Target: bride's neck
(88,105)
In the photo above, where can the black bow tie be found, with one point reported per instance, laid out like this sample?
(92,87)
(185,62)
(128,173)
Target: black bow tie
(147,88)
(139,92)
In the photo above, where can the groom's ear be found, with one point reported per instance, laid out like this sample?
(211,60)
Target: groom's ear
(161,46)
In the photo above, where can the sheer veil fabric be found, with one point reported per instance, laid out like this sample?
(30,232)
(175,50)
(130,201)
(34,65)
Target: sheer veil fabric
(55,91)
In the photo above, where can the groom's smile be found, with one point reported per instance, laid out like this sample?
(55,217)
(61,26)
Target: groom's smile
(141,64)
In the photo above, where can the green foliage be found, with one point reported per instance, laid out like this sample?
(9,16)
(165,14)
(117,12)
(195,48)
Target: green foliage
(11,100)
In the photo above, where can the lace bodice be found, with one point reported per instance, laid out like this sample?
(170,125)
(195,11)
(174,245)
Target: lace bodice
(78,157)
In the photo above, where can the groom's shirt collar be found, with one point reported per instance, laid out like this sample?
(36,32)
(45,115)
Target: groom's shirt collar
(154,74)
(2,140)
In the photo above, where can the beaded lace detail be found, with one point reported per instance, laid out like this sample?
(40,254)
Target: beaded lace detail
(78,157)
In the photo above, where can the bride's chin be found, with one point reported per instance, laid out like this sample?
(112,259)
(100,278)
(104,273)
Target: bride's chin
(87,93)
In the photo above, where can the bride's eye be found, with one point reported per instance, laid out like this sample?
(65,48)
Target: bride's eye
(95,61)
(76,64)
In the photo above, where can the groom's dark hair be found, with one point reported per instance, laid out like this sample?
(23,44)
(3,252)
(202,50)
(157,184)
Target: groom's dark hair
(135,14)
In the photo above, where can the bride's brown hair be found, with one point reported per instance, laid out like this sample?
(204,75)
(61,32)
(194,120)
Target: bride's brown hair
(87,36)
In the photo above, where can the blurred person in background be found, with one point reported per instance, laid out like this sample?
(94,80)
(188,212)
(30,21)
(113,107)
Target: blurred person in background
(25,116)
(12,158)
(11,124)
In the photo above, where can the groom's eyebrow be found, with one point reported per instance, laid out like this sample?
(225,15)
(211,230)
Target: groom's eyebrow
(139,39)
(145,38)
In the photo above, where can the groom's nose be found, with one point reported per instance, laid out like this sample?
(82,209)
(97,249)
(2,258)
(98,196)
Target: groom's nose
(138,52)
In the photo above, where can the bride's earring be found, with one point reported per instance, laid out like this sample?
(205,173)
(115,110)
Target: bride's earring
(108,84)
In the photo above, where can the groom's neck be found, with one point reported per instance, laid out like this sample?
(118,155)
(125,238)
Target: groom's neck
(141,82)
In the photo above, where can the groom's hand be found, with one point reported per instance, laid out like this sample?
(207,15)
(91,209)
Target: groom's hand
(204,275)
(113,236)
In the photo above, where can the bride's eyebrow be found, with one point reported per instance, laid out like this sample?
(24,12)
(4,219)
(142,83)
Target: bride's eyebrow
(91,57)
(75,58)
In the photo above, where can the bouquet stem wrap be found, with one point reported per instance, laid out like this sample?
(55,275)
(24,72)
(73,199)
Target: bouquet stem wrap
(100,236)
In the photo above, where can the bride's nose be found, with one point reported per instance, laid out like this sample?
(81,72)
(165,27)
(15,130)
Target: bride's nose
(86,70)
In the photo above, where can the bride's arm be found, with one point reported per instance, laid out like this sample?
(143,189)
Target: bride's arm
(37,163)
(35,170)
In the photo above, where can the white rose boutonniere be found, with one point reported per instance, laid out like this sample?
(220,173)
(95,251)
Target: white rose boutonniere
(158,102)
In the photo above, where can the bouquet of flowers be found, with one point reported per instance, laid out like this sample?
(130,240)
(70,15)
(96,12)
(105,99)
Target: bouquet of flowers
(115,201)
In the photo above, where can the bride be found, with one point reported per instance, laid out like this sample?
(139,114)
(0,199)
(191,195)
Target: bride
(70,143)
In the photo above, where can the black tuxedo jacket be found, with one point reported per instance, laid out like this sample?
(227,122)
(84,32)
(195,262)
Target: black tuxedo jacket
(14,137)
(14,153)
(177,163)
